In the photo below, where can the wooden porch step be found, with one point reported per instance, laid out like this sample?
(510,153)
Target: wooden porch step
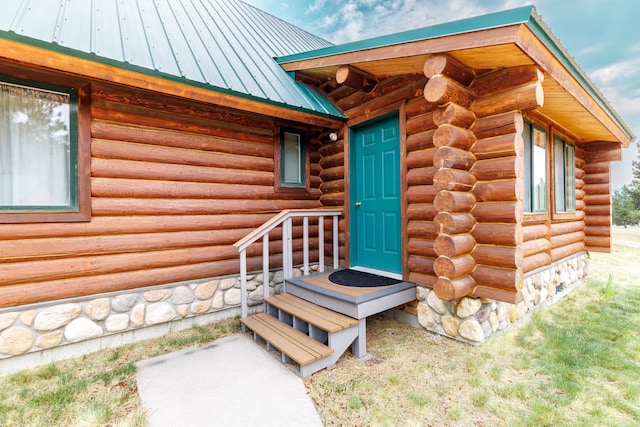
(295,344)
(320,317)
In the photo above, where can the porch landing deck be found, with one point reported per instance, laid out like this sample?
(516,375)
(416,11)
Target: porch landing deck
(356,302)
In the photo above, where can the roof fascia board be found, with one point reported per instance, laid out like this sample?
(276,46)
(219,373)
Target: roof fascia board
(482,38)
(546,37)
(37,53)
(464,26)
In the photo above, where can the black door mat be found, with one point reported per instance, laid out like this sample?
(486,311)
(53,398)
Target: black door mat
(360,279)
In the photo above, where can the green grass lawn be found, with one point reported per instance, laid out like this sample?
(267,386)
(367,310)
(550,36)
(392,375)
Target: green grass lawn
(97,389)
(575,363)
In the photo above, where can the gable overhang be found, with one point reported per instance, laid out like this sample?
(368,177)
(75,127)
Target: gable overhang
(502,40)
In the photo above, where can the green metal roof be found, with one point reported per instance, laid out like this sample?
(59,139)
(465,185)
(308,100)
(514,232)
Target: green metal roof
(524,15)
(223,45)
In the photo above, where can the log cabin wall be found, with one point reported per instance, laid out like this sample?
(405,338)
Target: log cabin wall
(484,192)
(465,229)
(174,184)
(480,184)
(596,194)
(486,245)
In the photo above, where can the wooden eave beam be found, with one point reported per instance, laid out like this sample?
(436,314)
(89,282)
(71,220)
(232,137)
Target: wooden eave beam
(538,52)
(490,37)
(31,56)
(356,79)
(603,152)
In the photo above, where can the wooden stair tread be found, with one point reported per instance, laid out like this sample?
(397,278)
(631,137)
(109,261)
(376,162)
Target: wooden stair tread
(298,346)
(313,314)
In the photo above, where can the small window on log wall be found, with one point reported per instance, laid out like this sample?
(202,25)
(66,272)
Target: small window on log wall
(564,167)
(535,168)
(293,160)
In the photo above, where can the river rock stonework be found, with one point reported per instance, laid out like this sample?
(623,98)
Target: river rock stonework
(474,320)
(41,327)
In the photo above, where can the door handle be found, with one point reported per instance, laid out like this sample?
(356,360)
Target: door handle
(358,204)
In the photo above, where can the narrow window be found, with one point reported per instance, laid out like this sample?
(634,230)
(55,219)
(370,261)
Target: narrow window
(564,161)
(292,160)
(38,147)
(535,175)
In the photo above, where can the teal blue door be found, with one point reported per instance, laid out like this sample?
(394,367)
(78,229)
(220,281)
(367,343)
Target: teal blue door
(375,196)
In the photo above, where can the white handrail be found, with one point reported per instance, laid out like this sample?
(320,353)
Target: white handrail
(284,218)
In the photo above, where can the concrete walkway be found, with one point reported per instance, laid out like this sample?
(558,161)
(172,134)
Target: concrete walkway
(230,382)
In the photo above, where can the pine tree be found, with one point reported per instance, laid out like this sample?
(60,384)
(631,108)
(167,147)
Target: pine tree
(624,212)
(634,188)
(626,201)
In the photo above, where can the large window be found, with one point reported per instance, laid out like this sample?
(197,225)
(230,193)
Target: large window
(293,162)
(564,167)
(38,147)
(535,168)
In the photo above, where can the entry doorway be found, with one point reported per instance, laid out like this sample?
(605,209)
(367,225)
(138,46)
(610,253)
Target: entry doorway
(376,234)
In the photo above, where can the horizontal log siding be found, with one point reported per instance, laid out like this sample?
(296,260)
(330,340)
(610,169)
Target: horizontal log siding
(536,246)
(420,192)
(174,184)
(500,254)
(596,192)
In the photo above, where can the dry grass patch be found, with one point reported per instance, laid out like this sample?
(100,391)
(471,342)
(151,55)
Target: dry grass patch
(413,377)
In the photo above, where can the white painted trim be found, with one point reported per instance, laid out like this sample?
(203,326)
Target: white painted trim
(397,276)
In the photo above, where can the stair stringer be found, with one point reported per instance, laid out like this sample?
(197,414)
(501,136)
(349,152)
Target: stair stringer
(339,341)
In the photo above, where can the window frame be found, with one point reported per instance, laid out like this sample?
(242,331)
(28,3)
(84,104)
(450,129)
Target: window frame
(303,160)
(79,208)
(561,175)
(529,169)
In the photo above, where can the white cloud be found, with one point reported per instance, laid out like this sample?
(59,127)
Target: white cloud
(606,75)
(362,19)
(620,80)
(316,6)
(618,83)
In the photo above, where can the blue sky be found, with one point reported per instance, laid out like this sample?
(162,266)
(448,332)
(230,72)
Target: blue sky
(601,35)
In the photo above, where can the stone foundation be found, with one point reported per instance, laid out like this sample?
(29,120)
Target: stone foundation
(41,333)
(475,320)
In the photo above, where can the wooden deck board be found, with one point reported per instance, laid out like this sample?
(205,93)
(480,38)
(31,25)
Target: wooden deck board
(298,346)
(313,314)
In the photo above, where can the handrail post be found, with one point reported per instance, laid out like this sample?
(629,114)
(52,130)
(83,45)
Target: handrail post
(305,244)
(285,255)
(243,284)
(336,245)
(321,243)
(265,266)
(287,249)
